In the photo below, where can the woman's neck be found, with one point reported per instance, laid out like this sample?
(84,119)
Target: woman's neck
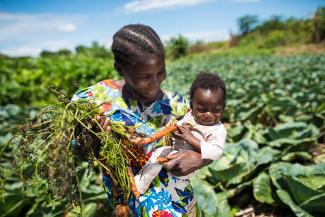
(129,93)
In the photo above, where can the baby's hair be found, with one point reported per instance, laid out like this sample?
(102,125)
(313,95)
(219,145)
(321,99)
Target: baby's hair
(208,81)
(134,41)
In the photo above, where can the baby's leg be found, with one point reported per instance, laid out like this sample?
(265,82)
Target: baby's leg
(145,176)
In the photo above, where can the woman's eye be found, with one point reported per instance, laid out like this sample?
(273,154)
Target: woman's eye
(162,73)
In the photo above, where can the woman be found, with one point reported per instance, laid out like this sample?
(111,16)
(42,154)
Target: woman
(138,99)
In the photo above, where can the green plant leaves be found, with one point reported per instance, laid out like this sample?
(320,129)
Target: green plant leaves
(299,187)
(285,197)
(262,189)
(210,203)
(275,111)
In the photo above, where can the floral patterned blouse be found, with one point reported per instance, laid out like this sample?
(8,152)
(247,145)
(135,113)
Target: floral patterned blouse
(167,195)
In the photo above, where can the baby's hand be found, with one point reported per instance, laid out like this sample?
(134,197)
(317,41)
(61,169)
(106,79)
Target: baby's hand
(185,134)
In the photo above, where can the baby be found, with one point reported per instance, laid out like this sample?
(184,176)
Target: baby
(200,129)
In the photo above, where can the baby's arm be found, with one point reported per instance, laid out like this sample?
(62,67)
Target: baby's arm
(212,148)
(186,134)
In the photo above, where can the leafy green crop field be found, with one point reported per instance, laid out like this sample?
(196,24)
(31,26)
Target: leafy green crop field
(274,115)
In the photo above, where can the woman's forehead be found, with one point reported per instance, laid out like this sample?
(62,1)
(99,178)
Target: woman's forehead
(148,65)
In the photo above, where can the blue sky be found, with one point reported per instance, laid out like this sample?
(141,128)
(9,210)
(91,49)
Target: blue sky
(30,26)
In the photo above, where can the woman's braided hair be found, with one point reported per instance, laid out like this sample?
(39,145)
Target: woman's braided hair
(136,41)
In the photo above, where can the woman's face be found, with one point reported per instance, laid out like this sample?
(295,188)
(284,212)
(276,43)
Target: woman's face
(143,79)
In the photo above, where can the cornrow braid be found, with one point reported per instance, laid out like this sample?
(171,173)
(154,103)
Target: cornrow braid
(208,81)
(134,41)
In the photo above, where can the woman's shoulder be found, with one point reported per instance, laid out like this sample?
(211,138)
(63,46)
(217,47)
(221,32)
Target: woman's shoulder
(175,96)
(101,91)
(179,104)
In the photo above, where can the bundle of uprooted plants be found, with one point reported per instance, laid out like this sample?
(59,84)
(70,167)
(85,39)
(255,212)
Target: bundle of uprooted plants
(50,150)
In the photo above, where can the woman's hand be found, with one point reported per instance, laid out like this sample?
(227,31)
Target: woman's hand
(103,123)
(185,162)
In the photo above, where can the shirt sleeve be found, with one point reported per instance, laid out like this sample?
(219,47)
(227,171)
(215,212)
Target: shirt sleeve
(85,94)
(213,148)
(179,105)
(101,94)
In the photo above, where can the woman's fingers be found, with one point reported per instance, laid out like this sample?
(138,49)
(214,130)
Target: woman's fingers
(186,162)
(172,156)
(106,126)
(104,123)
(172,163)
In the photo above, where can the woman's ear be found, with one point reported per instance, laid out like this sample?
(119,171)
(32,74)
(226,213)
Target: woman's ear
(118,68)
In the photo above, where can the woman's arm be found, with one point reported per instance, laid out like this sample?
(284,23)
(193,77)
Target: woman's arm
(185,162)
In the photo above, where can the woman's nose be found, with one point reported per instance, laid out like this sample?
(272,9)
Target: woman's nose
(155,81)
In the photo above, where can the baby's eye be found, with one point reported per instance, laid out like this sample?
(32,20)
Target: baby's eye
(202,110)
(144,77)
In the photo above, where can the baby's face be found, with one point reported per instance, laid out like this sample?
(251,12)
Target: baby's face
(207,106)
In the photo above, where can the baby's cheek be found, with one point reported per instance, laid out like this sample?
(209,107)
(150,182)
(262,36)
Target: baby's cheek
(218,117)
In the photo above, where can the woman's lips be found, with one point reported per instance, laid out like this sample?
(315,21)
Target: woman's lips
(152,92)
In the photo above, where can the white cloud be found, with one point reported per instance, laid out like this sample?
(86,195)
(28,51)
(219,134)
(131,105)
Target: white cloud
(18,25)
(68,27)
(22,51)
(145,5)
(207,36)
(36,49)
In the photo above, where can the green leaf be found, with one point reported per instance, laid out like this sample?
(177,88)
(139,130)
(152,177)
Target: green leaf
(266,155)
(89,210)
(315,204)
(206,197)
(234,174)
(223,208)
(286,199)
(291,134)
(300,193)
(297,156)
(237,189)
(303,183)
(262,189)
(315,182)
(12,209)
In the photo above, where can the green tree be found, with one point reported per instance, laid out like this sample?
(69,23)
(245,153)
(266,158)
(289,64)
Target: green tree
(319,24)
(274,23)
(247,23)
(177,47)
(95,50)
